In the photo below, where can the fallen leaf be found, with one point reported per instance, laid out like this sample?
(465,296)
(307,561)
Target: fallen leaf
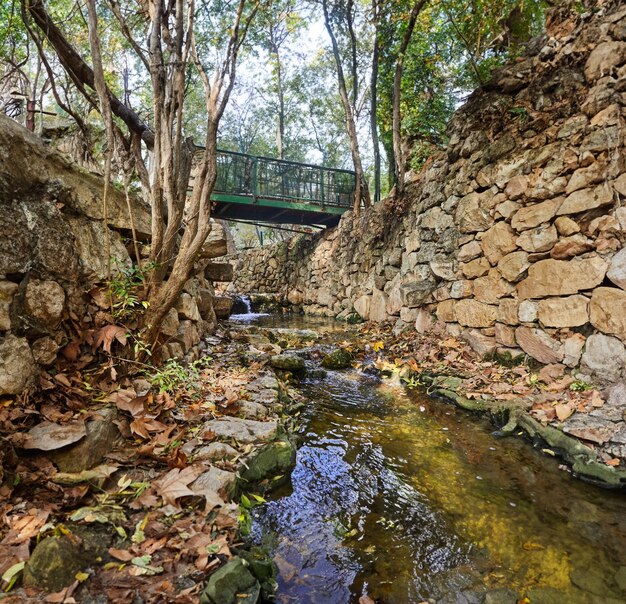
(563,411)
(48,436)
(121,554)
(107,334)
(95,474)
(174,484)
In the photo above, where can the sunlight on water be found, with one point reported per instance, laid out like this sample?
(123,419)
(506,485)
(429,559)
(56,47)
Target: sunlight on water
(406,498)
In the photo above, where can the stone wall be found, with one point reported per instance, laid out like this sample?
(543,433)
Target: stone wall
(53,251)
(514,237)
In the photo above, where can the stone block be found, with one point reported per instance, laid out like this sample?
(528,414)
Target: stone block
(219,271)
(562,277)
(498,241)
(603,58)
(568,247)
(570,311)
(480,343)
(586,199)
(187,307)
(533,215)
(505,335)
(169,327)
(7,291)
(604,358)
(471,313)
(513,266)
(527,311)
(45,302)
(617,269)
(491,288)
(539,345)
(565,226)
(17,366)
(470,216)
(469,251)
(475,268)
(608,311)
(540,239)
(445,311)
(378,306)
(508,309)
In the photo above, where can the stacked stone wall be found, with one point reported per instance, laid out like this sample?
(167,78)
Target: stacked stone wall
(515,236)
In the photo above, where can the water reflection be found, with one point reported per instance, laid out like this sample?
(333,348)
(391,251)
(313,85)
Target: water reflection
(405,498)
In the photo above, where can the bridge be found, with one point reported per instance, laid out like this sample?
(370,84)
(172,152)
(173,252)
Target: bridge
(263,189)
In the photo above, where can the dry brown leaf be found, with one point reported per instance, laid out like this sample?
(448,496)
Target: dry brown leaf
(48,436)
(121,554)
(174,484)
(596,399)
(563,411)
(106,335)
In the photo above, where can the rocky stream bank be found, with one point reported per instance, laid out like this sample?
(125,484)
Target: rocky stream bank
(146,493)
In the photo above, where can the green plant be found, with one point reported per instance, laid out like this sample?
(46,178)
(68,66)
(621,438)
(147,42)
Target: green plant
(174,375)
(579,386)
(246,504)
(125,289)
(171,376)
(412,381)
(520,112)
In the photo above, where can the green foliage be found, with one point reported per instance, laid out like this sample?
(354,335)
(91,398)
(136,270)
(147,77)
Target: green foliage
(126,289)
(174,375)
(580,386)
(246,504)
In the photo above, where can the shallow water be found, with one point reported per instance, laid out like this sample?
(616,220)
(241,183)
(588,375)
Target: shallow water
(405,498)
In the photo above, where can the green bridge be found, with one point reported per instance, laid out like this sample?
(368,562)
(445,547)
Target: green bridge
(262,189)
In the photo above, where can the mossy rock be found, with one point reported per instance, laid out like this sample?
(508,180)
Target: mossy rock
(263,568)
(232,584)
(354,318)
(56,560)
(338,359)
(269,461)
(287,362)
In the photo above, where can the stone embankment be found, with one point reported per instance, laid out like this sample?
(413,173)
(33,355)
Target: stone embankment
(53,252)
(514,236)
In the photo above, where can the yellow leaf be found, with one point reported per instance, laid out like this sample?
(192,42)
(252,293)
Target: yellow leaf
(81,577)
(378,346)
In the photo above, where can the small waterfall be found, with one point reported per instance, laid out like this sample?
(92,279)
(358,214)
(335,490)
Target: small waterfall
(243,310)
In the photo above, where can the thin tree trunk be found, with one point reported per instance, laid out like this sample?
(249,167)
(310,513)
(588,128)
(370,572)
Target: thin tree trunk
(107,116)
(396,128)
(374,100)
(361,193)
(280,130)
(353,54)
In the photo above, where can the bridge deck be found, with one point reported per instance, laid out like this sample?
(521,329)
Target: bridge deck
(273,190)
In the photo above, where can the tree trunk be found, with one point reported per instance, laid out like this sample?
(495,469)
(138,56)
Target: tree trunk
(361,193)
(280,129)
(374,99)
(396,128)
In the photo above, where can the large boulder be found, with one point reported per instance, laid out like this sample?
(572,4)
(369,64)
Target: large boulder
(17,365)
(45,302)
(287,362)
(338,359)
(232,584)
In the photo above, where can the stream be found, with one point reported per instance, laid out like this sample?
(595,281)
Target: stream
(407,499)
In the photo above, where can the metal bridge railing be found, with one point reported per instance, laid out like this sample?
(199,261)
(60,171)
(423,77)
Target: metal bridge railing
(268,178)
